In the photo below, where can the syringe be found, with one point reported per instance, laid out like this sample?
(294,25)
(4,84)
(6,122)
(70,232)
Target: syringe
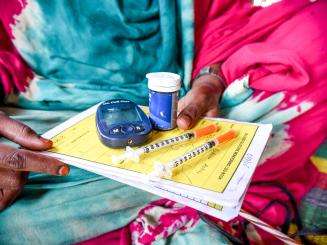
(134,155)
(165,170)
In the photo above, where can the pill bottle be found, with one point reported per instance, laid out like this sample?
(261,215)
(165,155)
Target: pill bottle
(163,99)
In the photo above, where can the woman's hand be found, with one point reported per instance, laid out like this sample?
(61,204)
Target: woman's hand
(201,100)
(15,163)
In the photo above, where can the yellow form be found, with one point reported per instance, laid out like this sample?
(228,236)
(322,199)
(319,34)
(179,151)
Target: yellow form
(210,171)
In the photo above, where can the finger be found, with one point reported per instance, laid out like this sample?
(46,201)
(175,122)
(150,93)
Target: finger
(181,105)
(24,160)
(190,115)
(7,197)
(22,134)
(10,179)
(213,112)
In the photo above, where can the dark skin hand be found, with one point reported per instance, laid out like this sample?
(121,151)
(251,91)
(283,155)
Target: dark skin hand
(201,100)
(16,163)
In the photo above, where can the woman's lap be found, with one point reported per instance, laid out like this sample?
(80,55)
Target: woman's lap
(80,206)
(73,208)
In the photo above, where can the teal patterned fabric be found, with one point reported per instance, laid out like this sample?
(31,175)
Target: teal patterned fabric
(86,52)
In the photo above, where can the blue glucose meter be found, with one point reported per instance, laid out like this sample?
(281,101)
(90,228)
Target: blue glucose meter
(122,123)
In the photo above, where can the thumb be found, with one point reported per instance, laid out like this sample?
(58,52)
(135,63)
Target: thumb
(188,117)
(22,134)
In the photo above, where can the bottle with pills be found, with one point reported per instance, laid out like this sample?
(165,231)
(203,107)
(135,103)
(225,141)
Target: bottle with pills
(163,99)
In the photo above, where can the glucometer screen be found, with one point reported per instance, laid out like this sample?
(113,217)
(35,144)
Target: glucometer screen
(120,116)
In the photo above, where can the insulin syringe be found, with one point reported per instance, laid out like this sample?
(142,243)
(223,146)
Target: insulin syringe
(134,154)
(165,170)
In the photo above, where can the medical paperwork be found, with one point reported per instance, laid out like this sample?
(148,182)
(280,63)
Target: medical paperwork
(214,183)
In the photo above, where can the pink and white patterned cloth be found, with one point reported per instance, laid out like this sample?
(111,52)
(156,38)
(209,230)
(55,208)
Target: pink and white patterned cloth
(274,62)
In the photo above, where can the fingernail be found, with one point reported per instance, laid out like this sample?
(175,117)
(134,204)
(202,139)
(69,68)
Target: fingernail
(186,120)
(47,141)
(63,170)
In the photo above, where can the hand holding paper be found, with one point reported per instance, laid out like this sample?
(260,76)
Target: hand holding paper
(213,182)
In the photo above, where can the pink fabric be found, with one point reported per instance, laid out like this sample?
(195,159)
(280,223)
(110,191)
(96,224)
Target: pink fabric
(159,219)
(14,72)
(117,237)
(283,49)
